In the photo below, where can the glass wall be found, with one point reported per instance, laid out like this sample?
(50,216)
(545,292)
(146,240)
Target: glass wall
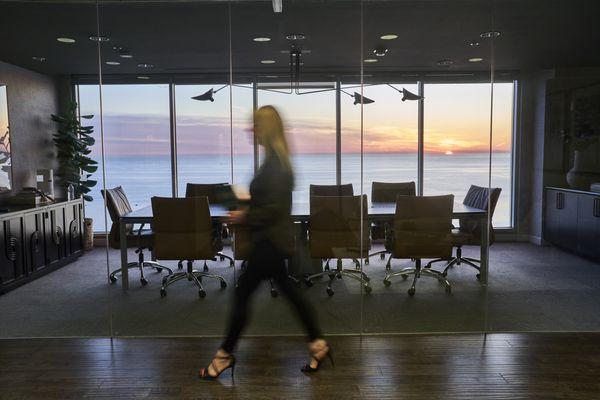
(445,94)
(49,287)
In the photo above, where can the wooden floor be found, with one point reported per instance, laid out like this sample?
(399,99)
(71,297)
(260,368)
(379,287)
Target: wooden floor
(495,366)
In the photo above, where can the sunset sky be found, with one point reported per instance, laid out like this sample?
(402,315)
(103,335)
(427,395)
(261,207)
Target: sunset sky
(136,119)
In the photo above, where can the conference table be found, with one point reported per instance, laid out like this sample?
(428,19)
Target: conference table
(300,213)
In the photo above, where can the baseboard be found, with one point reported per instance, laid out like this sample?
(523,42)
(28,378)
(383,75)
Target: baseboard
(518,237)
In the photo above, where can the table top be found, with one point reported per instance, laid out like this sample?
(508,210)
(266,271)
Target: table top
(301,211)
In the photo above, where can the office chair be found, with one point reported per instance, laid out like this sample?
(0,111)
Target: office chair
(242,245)
(469,230)
(118,205)
(384,192)
(183,230)
(333,190)
(422,228)
(210,191)
(335,231)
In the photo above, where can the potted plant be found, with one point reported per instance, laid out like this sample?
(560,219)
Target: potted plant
(73,141)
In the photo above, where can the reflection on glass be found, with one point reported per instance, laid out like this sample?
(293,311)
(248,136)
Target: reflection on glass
(5,160)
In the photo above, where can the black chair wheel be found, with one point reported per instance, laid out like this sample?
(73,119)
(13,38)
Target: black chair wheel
(366,278)
(444,274)
(404,276)
(202,293)
(163,292)
(231,263)
(411,291)
(113,279)
(308,282)
(205,268)
(478,276)
(330,292)
(387,283)
(180,265)
(159,269)
(382,256)
(143,281)
(368,289)
(366,261)
(274,292)
(223,284)
(222,258)
(448,289)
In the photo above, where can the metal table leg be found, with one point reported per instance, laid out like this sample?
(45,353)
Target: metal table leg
(484,251)
(123,245)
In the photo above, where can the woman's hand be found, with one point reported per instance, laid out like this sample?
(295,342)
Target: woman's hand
(237,217)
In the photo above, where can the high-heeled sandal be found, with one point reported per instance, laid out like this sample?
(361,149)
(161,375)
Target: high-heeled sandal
(204,374)
(307,367)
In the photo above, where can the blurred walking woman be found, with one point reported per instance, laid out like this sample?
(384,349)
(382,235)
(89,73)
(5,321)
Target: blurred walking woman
(268,220)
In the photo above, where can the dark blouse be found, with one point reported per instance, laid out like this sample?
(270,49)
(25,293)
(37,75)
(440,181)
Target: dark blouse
(268,215)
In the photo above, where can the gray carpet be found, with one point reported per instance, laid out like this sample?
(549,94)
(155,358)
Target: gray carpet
(531,288)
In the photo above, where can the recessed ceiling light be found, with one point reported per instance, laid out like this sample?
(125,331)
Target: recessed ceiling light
(295,36)
(125,55)
(267,61)
(390,36)
(490,34)
(272,76)
(445,62)
(474,44)
(38,59)
(113,63)
(380,51)
(475,59)
(65,40)
(262,39)
(143,77)
(95,38)
(145,65)
(371,60)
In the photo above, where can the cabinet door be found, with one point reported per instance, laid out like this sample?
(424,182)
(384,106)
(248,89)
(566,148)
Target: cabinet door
(73,223)
(588,225)
(33,240)
(12,254)
(54,234)
(552,216)
(568,221)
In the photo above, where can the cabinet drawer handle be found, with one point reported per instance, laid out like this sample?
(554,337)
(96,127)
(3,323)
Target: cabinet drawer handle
(596,210)
(560,200)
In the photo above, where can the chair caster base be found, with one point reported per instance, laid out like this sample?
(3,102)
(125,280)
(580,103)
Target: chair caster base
(223,284)
(144,281)
(180,265)
(368,289)
(202,293)
(478,276)
(411,291)
(404,277)
(274,293)
(205,268)
(113,279)
(330,292)
(387,283)
(163,292)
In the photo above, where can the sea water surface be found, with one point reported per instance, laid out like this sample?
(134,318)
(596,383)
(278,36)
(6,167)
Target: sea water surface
(145,176)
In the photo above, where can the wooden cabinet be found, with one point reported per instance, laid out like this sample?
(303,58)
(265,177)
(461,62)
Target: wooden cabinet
(33,241)
(572,221)
(588,226)
(38,240)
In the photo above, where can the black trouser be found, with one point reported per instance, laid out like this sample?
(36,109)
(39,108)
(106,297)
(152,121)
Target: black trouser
(265,262)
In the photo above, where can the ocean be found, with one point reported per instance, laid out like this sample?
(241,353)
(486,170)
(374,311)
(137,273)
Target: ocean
(145,176)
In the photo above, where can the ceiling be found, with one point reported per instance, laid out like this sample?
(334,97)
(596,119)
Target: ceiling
(187,38)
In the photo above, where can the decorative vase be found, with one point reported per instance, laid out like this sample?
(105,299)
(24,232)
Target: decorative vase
(585,171)
(88,234)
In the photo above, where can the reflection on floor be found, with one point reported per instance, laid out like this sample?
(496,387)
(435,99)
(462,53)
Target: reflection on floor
(531,288)
(474,366)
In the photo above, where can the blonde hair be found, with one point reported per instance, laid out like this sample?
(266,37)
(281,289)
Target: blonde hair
(272,134)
